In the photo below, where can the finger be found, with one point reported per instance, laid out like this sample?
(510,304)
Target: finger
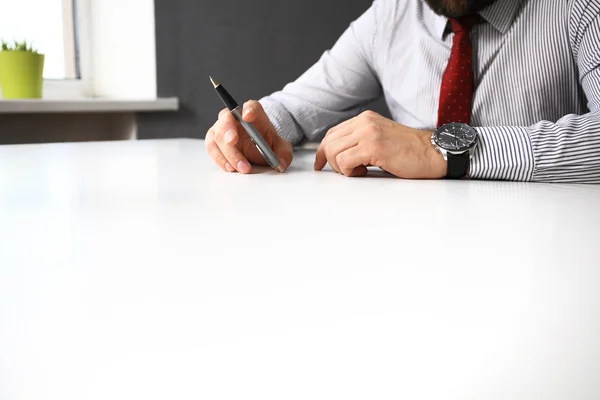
(284,151)
(320,159)
(222,136)
(338,146)
(335,133)
(229,125)
(340,130)
(252,110)
(342,125)
(363,118)
(215,153)
(352,159)
(359,172)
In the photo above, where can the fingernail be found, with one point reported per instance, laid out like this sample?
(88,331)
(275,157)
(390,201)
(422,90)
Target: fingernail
(229,136)
(246,112)
(229,168)
(284,163)
(243,167)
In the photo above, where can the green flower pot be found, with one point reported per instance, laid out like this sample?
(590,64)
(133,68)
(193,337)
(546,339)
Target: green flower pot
(21,74)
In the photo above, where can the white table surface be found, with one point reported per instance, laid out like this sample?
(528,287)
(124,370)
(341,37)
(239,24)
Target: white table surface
(138,270)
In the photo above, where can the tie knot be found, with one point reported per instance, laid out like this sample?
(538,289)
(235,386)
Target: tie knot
(464,24)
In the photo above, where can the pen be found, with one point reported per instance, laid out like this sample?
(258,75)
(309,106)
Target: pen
(255,136)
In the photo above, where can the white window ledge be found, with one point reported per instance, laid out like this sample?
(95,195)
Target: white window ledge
(91,105)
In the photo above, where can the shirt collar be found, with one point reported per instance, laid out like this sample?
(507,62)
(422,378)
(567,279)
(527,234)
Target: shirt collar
(500,14)
(436,23)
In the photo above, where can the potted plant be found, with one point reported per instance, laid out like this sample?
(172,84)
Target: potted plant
(21,71)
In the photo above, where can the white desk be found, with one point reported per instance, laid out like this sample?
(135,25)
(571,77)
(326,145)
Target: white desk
(138,270)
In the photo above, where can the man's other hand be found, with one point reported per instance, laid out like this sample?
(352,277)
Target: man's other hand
(372,140)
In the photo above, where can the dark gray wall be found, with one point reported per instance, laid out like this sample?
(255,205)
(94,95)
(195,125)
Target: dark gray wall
(253,47)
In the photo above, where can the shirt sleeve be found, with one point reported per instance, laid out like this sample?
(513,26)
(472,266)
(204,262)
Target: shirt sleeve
(565,151)
(335,89)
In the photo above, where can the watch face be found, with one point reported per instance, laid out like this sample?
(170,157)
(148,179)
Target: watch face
(455,136)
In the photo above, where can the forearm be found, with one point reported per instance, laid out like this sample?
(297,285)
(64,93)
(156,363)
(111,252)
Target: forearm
(298,118)
(565,151)
(327,94)
(336,88)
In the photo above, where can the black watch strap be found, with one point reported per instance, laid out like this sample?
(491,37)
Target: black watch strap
(458,165)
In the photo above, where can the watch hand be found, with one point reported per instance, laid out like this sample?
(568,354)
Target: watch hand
(448,134)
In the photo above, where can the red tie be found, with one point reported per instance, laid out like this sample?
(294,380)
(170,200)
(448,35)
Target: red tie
(456,95)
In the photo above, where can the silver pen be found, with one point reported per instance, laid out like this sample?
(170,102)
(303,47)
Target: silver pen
(255,136)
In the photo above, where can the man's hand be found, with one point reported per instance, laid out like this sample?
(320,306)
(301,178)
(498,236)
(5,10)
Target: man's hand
(372,140)
(232,149)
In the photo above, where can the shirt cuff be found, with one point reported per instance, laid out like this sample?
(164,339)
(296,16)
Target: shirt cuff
(503,153)
(282,120)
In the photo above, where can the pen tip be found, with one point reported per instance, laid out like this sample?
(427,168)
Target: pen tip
(214,82)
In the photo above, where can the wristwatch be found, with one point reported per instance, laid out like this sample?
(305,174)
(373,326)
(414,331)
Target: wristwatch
(456,142)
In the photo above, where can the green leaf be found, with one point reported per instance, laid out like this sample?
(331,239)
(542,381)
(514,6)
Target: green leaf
(23,46)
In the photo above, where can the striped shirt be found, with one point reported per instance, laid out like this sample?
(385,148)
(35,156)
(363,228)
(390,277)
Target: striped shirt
(537,83)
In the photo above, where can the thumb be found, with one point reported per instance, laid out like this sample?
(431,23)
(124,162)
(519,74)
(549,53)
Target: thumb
(254,113)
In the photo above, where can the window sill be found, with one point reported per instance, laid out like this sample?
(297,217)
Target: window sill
(91,105)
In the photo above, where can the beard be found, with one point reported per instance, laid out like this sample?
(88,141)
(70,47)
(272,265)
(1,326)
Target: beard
(457,8)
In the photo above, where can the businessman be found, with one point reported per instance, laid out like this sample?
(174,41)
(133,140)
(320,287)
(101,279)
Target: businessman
(480,89)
